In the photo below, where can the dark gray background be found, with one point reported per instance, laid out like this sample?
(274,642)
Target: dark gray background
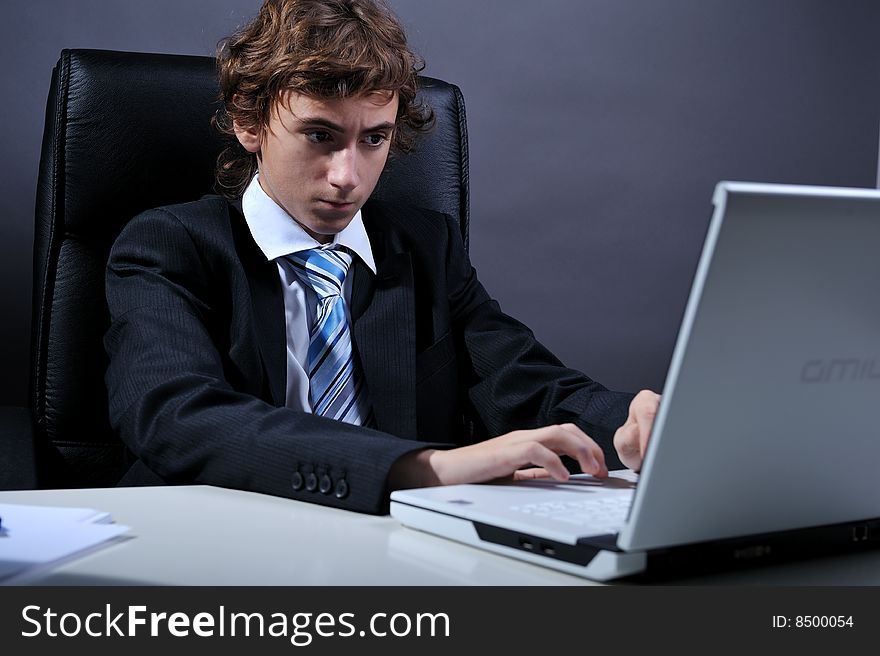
(598,131)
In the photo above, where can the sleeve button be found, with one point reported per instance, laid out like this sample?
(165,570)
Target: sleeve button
(341,490)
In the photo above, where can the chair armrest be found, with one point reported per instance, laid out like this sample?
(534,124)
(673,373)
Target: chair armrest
(18,469)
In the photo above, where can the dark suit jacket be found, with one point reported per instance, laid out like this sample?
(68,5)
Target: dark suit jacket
(197,350)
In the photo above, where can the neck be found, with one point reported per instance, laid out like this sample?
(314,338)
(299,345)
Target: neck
(267,187)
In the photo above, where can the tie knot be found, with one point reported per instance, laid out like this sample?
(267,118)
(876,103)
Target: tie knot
(323,269)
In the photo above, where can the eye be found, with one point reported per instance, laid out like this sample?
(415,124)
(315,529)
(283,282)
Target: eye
(318,136)
(375,140)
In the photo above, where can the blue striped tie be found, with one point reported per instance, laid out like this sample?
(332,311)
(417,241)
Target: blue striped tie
(336,386)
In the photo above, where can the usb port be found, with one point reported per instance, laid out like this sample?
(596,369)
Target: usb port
(860,533)
(527,544)
(548,550)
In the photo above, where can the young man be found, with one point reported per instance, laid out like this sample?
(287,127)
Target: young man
(301,340)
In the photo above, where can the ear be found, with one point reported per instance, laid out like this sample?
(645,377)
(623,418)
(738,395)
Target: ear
(249,138)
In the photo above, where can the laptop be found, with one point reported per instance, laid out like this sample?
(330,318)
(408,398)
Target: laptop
(766,443)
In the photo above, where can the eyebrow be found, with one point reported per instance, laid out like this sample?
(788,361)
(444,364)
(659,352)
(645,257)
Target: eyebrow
(323,122)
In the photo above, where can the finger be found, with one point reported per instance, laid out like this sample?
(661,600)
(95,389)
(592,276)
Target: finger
(535,453)
(644,410)
(565,439)
(568,439)
(595,450)
(530,474)
(626,441)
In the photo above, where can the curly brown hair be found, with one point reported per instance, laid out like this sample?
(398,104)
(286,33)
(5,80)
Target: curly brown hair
(325,49)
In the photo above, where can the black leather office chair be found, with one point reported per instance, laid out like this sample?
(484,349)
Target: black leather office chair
(126,132)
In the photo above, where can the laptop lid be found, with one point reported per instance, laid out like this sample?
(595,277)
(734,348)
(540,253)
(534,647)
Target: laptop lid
(768,419)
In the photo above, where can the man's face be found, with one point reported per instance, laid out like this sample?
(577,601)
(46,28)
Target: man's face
(321,159)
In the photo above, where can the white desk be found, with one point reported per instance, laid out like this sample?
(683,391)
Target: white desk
(203,535)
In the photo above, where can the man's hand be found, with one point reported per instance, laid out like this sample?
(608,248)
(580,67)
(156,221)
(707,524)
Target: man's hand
(503,456)
(537,450)
(631,439)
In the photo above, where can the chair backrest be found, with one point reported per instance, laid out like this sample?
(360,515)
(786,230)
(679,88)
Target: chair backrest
(126,132)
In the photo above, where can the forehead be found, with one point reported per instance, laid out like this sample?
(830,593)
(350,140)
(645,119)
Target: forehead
(368,108)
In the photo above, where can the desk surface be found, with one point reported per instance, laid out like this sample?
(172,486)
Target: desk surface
(201,535)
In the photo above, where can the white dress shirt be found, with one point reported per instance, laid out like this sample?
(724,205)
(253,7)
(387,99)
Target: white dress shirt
(278,235)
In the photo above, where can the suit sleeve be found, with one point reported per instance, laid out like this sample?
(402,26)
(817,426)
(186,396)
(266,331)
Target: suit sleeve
(515,382)
(172,406)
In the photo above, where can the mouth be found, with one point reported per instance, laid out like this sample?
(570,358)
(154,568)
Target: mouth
(343,206)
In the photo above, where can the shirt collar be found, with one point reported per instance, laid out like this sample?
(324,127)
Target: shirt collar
(278,235)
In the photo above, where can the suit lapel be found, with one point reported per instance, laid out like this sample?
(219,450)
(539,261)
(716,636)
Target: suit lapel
(267,305)
(383,323)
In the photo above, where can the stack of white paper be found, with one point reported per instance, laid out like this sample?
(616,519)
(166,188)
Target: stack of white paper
(37,536)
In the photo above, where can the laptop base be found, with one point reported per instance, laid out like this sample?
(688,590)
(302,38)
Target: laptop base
(600,559)
(599,563)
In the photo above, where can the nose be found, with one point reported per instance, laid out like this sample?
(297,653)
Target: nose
(343,173)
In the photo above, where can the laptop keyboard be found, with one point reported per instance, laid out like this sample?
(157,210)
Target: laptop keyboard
(605,513)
